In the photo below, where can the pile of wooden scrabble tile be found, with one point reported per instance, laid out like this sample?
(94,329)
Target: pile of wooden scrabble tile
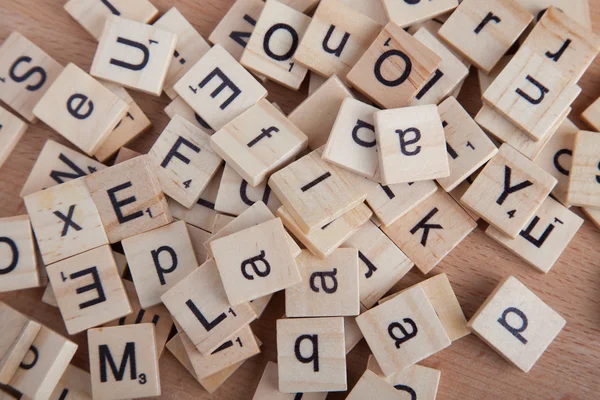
(380,169)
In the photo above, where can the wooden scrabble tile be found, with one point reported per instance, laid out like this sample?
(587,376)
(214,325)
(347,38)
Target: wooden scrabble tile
(431,230)
(381,263)
(373,9)
(221,221)
(486,79)
(19,268)
(545,237)
(315,192)
(508,191)
(236,27)
(82,305)
(199,237)
(258,142)
(468,147)
(17,334)
(483,30)
(385,330)
(268,387)
(132,346)
(235,195)
(351,143)
(584,183)
(311,355)
(218,88)
(184,161)
(92,15)
(199,305)
(26,73)
(577,10)
(134,55)
(179,106)
(555,158)
(12,130)
(560,39)
(593,214)
(450,73)
(591,115)
(129,199)
(57,164)
(329,287)
(316,115)
(81,109)
(322,242)
(75,383)
(125,154)
(190,47)
(391,202)
(388,82)
(496,125)
(406,13)
(132,125)
(65,220)
(335,39)
(372,386)
(159,259)
(516,323)
(531,93)
(416,380)
(411,144)
(43,365)
(274,42)
(255,262)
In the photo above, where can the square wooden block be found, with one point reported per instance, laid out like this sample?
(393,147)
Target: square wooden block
(268,387)
(468,147)
(81,109)
(65,220)
(43,365)
(431,230)
(391,202)
(411,144)
(483,30)
(531,93)
(190,47)
(129,199)
(335,39)
(316,115)
(329,287)
(92,15)
(406,13)
(578,10)
(516,323)
(218,88)
(311,355)
(591,115)
(179,106)
(258,142)
(134,55)
(18,333)
(235,195)
(12,130)
(255,262)
(274,42)
(403,331)
(508,191)
(545,237)
(26,73)
(381,263)
(584,180)
(89,290)
(200,306)
(57,164)
(394,68)
(315,192)
(351,143)
(158,260)
(184,161)
(322,242)
(75,383)
(235,28)
(371,385)
(133,347)
(19,266)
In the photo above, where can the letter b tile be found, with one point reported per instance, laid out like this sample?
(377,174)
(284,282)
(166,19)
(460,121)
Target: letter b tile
(516,323)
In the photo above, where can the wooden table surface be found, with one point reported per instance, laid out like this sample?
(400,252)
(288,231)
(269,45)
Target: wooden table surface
(569,369)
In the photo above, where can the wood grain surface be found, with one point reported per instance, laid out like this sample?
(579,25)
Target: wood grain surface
(569,369)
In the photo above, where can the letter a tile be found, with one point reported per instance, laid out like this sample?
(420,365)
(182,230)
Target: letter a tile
(516,323)
(19,265)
